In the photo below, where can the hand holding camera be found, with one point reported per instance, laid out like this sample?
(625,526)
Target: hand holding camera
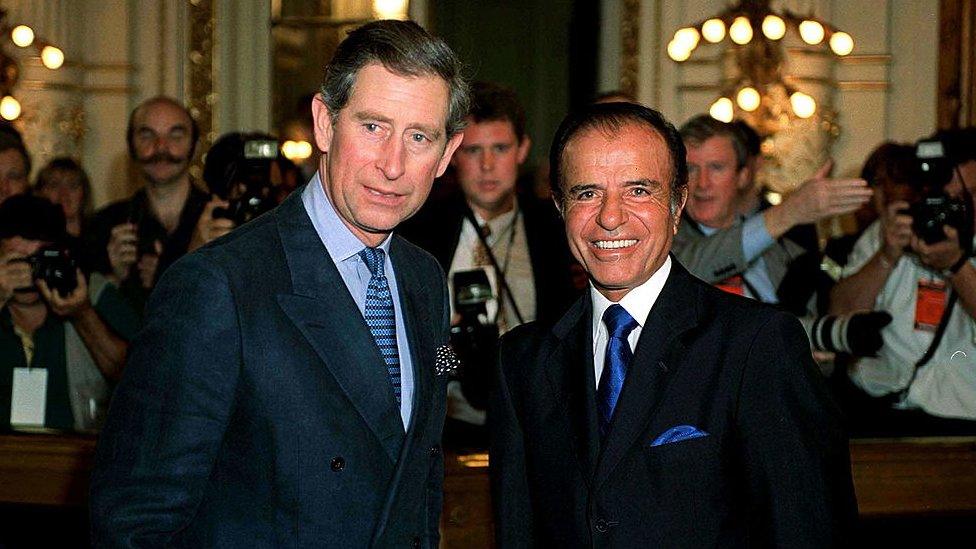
(68,304)
(123,251)
(896,230)
(211,226)
(15,274)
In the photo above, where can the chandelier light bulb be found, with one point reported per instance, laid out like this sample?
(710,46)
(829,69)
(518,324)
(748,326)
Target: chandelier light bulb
(803,105)
(677,51)
(52,57)
(740,31)
(390,9)
(748,99)
(22,35)
(811,32)
(713,30)
(687,37)
(722,110)
(841,43)
(9,108)
(774,27)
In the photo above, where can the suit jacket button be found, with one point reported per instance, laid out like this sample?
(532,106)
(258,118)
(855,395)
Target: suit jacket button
(338,463)
(435,450)
(417,542)
(601,526)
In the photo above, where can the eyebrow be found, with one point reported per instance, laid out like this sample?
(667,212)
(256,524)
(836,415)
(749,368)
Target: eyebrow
(582,187)
(362,116)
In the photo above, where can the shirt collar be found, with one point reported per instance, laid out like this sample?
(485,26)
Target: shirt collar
(339,241)
(500,223)
(637,302)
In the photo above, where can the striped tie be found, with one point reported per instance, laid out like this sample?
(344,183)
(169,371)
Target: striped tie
(379,314)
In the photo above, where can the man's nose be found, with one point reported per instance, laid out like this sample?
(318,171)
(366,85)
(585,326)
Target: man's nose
(612,214)
(392,161)
(487,161)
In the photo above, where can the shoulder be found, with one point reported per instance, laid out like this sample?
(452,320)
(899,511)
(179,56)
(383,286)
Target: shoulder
(434,219)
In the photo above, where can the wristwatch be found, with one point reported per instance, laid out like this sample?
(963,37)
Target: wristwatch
(951,271)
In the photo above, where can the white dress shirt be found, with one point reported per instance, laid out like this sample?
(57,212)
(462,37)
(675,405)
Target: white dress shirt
(637,303)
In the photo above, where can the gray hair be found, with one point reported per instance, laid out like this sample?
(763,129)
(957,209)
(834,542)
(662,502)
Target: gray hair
(404,48)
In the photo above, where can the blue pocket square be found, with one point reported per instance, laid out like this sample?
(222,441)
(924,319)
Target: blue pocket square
(679,433)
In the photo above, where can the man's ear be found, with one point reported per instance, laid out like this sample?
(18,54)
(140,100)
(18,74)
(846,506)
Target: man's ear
(681,208)
(452,145)
(558,205)
(523,148)
(321,123)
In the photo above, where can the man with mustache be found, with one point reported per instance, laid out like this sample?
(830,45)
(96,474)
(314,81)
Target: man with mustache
(136,239)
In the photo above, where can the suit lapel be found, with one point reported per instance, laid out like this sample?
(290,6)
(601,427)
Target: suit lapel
(324,312)
(674,312)
(570,371)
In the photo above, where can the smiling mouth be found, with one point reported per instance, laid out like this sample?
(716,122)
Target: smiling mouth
(614,244)
(382,194)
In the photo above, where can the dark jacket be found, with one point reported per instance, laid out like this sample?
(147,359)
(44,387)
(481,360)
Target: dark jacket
(773,469)
(256,410)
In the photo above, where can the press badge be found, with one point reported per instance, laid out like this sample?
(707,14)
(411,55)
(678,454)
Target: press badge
(29,397)
(930,303)
(733,285)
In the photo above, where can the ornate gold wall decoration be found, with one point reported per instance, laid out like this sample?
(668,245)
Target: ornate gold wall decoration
(200,95)
(629,35)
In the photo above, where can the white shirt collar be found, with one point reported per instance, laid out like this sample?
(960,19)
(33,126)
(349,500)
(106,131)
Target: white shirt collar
(637,302)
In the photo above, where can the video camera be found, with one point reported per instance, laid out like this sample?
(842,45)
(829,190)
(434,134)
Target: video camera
(934,208)
(474,339)
(56,266)
(238,170)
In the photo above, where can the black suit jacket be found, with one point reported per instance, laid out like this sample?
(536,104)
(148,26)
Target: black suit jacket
(437,229)
(256,410)
(773,471)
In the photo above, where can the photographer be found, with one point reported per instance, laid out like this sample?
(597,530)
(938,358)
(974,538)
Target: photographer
(136,239)
(915,262)
(63,338)
(247,176)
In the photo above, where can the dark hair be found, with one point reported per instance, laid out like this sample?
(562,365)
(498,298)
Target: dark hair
(11,141)
(960,144)
(69,165)
(703,127)
(492,102)
(609,118)
(890,162)
(131,130)
(404,48)
(750,136)
(33,218)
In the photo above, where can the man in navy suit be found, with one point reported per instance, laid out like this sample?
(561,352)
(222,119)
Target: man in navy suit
(659,411)
(285,390)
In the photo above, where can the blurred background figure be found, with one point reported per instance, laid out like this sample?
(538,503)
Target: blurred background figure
(15,164)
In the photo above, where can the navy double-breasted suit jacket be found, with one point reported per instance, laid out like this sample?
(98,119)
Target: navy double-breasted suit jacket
(256,410)
(773,470)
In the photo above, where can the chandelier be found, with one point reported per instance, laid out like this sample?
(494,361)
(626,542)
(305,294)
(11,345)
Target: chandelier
(760,83)
(22,36)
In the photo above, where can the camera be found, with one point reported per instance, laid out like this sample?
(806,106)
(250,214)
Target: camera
(933,171)
(474,339)
(56,266)
(238,169)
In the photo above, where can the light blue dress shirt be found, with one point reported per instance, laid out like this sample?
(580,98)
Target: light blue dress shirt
(344,248)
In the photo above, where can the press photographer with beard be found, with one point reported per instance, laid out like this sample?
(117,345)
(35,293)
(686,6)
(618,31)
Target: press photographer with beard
(138,238)
(63,337)
(923,380)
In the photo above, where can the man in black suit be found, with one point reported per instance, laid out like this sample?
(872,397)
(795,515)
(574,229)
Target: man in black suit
(522,248)
(287,389)
(659,411)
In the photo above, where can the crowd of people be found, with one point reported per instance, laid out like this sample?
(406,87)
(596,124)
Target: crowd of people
(217,363)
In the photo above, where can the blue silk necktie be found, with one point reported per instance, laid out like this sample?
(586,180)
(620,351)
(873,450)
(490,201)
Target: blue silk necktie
(379,314)
(619,325)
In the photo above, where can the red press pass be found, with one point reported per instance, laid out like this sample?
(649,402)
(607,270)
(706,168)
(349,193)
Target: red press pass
(930,303)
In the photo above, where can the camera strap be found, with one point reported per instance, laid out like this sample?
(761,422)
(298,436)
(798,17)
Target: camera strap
(936,339)
(499,272)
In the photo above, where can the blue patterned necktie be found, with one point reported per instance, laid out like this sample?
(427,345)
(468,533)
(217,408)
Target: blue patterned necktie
(379,314)
(619,325)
